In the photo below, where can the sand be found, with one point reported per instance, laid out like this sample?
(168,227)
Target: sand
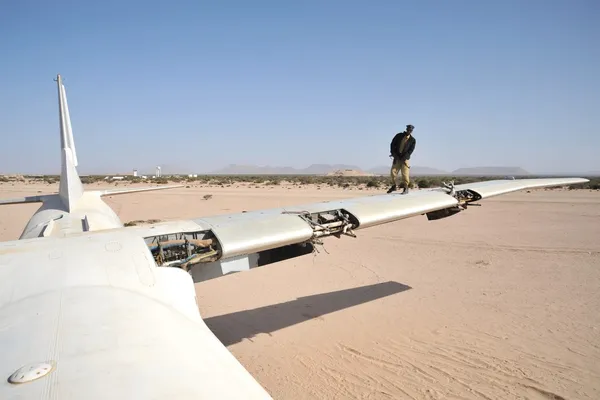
(500,301)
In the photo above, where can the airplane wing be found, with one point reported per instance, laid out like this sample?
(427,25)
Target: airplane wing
(246,240)
(106,192)
(112,313)
(23,200)
(113,192)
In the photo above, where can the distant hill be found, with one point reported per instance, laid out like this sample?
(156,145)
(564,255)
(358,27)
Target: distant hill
(490,171)
(235,169)
(315,169)
(322,169)
(414,170)
(349,172)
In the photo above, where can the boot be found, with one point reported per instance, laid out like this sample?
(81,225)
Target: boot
(405,191)
(392,189)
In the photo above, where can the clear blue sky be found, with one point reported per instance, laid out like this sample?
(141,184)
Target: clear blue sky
(197,85)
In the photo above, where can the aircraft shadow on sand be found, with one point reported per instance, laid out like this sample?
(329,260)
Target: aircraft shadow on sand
(233,328)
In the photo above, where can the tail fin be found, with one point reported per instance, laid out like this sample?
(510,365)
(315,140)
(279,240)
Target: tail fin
(70,188)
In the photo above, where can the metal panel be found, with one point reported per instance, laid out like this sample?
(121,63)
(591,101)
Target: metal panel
(257,232)
(238,264)
(396,207)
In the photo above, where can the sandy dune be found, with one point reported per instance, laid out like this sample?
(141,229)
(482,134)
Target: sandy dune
(499,302)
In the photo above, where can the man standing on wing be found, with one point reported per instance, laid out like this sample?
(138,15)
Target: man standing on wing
(401,148)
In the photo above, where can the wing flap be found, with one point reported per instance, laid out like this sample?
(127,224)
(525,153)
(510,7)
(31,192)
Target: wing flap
(389,208)
(265,231)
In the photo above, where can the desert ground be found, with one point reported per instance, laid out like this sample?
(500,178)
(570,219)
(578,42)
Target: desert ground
(498,302)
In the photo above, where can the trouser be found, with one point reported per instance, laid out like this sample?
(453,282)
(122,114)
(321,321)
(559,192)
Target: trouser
(403,167)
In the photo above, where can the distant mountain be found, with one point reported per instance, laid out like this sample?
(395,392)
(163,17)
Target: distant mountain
(414,170)
(315,169)
(235,169)
(349,172)
(324,169)
(490,171)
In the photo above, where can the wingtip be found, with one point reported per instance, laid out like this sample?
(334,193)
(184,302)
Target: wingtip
(579,180)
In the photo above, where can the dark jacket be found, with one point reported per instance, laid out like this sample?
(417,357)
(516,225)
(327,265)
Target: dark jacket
(408,148)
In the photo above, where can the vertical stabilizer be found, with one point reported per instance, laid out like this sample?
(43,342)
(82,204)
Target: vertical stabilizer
(70,189)
(69,132)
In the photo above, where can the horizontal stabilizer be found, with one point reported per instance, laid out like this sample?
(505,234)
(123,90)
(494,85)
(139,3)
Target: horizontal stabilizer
(23,200)
(113,192)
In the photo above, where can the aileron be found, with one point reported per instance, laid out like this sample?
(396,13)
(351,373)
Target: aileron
(488,189)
